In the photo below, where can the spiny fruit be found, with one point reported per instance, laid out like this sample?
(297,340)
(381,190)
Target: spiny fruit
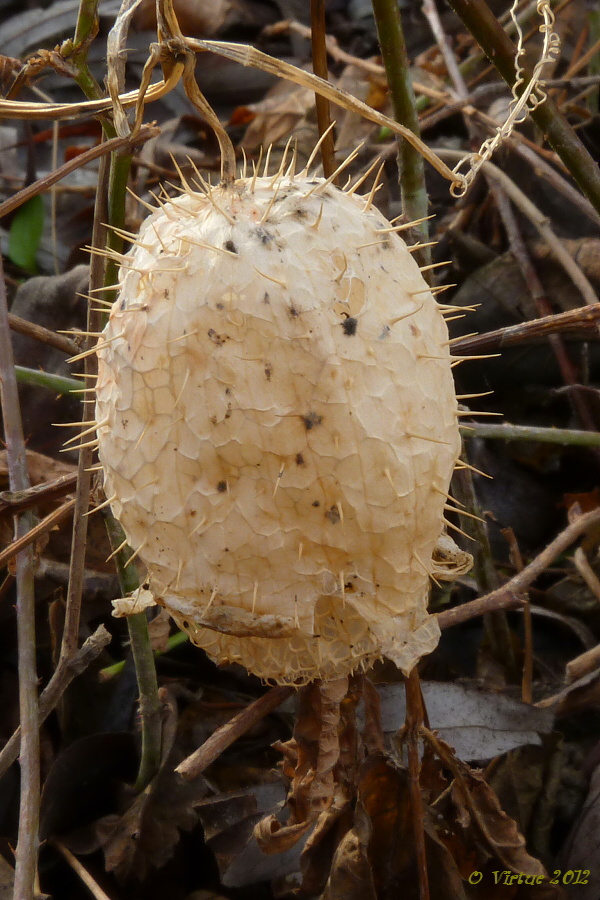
(277,425)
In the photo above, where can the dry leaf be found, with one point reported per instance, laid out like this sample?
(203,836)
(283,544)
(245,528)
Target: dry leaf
(478,725)
(146,835)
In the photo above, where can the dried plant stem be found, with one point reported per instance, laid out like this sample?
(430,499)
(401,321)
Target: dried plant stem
(319,60)
(17,501)
(70,637)
(44,335)
(35,531)
(227,734)
(61,679)
(477,17)
(574,321)
(410,161)
(414,723)
(509,595)
(507,432)
(90,883)
(43,184)
(29,810)
(143,657)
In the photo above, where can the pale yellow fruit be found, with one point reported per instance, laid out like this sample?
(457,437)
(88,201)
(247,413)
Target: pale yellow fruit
(278,426)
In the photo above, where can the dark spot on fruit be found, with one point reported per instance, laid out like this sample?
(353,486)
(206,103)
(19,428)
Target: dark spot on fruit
(213,419)
(333,515)
(166,294)
(316,503)
(228,413)
(300,213)
(300,460)
(228,391)
(220,305)
(218,339)
(311,420)
(222,487)
(294,311)
(193,513)
(122,304)
(266,297)
(350,325)
(185,623)
(226,549)
(414,330)
(268,371)
(385,331)
(264,236)
(229,245)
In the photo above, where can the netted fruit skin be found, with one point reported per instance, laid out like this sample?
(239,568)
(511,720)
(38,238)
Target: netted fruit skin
(278,426)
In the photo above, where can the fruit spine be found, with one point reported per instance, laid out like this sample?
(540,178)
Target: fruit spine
(277,425)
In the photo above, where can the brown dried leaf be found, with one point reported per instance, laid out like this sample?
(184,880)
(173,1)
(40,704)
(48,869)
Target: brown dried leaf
(480,807)
(145,836)
(351,876)
(277,116)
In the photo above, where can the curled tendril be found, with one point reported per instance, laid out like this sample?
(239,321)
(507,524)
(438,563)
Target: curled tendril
(526,95)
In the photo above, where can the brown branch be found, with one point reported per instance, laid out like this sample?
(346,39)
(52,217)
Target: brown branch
(29,537)
(413,726)
(17,501)
(61,679)
(574,321)
(70,637)
(319,61)
(227,734)
(38,333)
(509,596)
(145,133)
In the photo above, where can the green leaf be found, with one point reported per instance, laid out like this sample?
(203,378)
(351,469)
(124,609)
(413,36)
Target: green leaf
(25,234)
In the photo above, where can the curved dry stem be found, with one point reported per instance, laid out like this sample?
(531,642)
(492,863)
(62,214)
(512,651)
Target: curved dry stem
(250,56)
(195,95)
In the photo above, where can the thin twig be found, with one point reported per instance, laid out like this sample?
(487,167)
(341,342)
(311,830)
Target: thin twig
(17,501)
(30,537)
(62,677)
(43,184)
(227,734)
(319,61)
(29,810)
(70,637)
(573,321)
(44,335)
(415,203)
(414,724)
(509,596)
(90,883)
